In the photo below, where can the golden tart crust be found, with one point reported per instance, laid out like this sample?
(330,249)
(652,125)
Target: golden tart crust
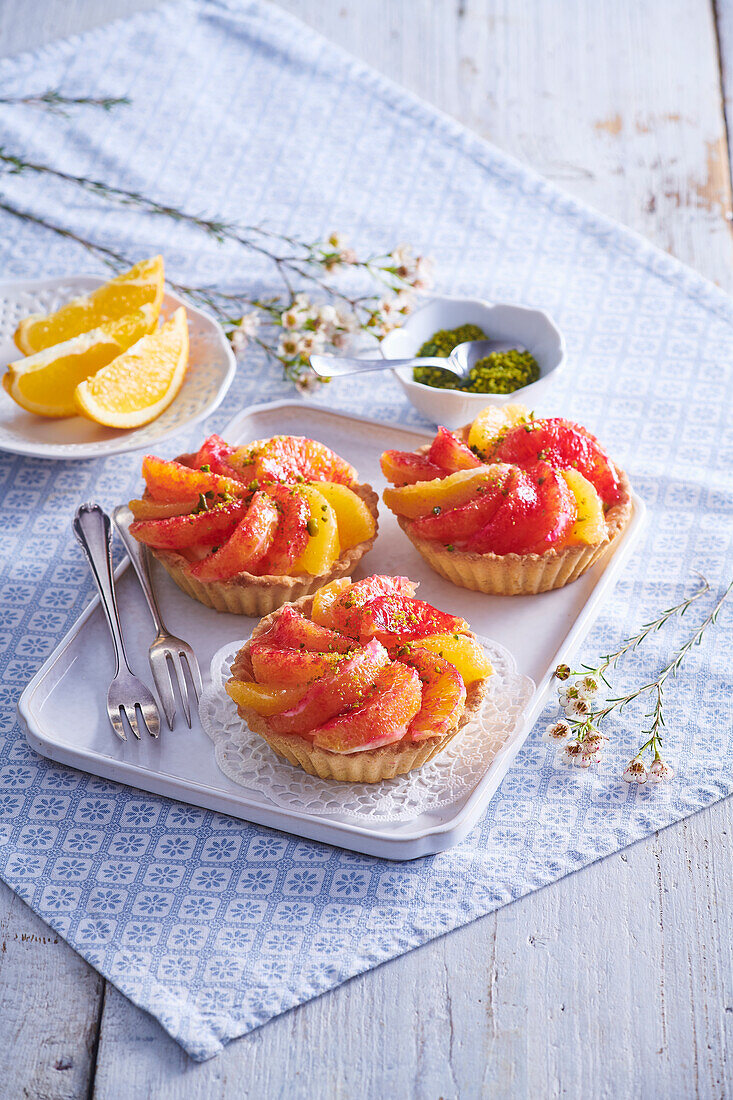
(369,766)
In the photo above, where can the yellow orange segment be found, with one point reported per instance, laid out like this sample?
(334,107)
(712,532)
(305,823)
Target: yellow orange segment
(354,520)
(141,286)
(324,597)
(45,383)
(490,422)
(139,385)
(322,547)
(466,654)
(265,700)
(590,526)
(420,499)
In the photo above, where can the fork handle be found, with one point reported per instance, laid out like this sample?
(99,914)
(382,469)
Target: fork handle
(138,554)
(93,530)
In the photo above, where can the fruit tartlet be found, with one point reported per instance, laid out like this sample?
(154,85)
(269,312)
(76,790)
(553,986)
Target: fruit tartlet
(509,505)
(361,681)
(244,529)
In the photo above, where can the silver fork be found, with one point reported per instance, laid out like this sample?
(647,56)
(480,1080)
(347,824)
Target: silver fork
(126,693)
(166,646)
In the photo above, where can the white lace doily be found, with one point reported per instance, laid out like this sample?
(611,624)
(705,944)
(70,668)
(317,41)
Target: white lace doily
(247,759)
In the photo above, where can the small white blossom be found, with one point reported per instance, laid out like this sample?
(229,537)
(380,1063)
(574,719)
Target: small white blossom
(311,343)
(306,382)
(556,732)
(567,693)
(238,340)
(587,686)
(293,319)
(660,771)
(302,302)
(572,752)
(288,346)
(592,745)
(250,324)
(347,320)
(635,771)
(422,277)
(577,708)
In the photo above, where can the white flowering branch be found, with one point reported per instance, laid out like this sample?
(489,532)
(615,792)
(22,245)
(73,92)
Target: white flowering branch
(579,731)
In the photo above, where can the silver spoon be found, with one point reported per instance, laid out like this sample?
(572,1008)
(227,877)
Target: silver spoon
(459,363)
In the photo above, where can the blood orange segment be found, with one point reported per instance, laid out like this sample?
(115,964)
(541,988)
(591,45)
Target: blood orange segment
(170,481)
(393,618)
(450,454)
(381,719)
(443,695)
(215,453)
(292,630)
(335,693)
(244,547)
(344,611)
(407,468)
(291,536)
(198,529)
(536,515)
(456,524)
(281,667)
(291,458)
(563,444)
(264,700)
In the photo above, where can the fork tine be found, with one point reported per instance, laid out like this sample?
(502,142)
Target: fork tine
(182,687)
(150,717)
(116,722)
(194,670)
(131,715)
(164,687)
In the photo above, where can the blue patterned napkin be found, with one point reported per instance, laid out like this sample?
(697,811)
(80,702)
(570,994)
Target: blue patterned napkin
(212,925)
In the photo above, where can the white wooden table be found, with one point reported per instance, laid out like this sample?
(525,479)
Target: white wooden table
(616,981)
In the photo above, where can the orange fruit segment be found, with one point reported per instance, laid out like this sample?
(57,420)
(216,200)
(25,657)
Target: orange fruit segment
(382,718)
(590,526)
(140,384)
(354,521)
(45,383)
(322,547)
(464,653)
(265,700)
(422,498)
(490,422)
(443,695)
(141,286)
(324,599)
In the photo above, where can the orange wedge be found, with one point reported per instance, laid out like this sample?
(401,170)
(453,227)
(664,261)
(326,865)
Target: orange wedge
(44,383)
(142,285)
(137,386)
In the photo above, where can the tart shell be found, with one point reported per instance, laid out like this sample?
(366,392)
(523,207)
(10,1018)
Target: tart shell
(369,766)
(521,574)
(248,594)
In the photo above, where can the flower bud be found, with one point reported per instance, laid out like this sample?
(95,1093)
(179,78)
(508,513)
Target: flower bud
(562,672)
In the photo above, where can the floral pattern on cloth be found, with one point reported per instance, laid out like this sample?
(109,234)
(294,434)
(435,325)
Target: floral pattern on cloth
(212,925)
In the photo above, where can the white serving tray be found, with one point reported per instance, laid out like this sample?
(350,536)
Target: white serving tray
(62,709)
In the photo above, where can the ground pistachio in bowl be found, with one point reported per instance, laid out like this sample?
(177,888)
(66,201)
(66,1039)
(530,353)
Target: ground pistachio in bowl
(499,372)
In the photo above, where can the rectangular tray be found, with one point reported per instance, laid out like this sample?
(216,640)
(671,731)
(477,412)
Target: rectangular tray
(62,708)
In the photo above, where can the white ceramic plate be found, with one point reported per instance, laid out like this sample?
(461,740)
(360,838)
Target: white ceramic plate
(210,372)
(63,712)
(532,328)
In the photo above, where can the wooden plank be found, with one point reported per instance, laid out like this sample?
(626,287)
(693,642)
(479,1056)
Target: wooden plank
(50,1006)
(28,24)
(724,25)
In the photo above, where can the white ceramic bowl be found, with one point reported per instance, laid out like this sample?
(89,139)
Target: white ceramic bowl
(532,328)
